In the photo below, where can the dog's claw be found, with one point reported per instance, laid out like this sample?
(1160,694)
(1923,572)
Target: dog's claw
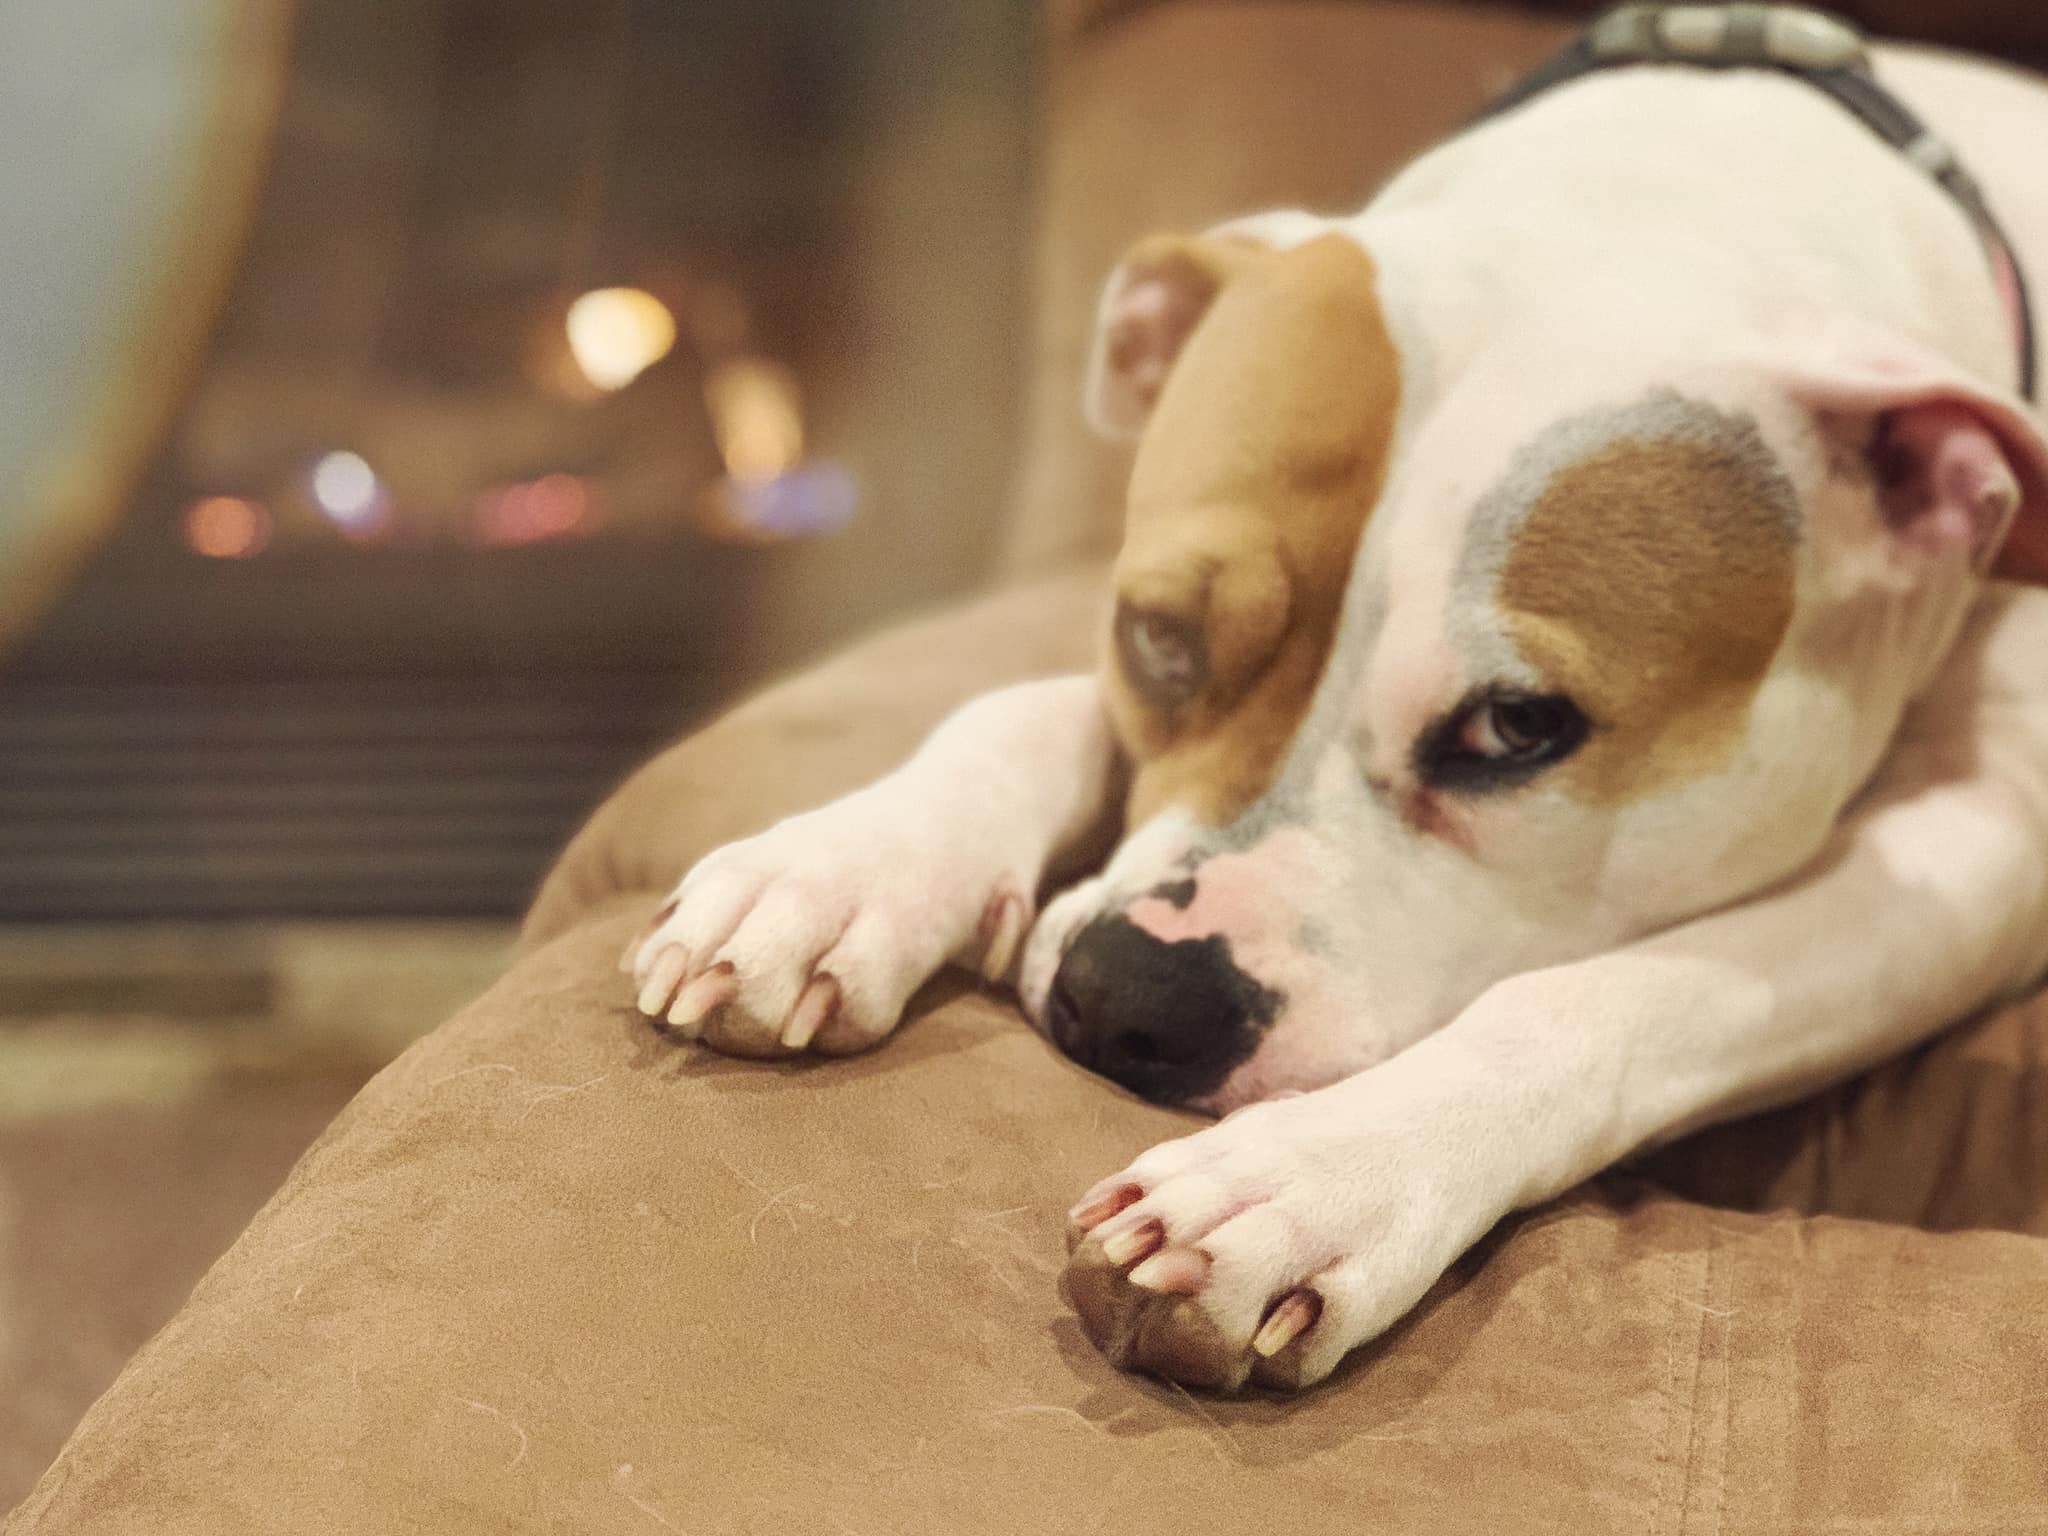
(819,1002)
(704,995)
(662,981)
(1093,1213)
(1294,1316)
(1128,1247)
(1172,1271)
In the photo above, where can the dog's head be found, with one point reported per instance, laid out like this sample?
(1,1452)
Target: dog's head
(1434,669)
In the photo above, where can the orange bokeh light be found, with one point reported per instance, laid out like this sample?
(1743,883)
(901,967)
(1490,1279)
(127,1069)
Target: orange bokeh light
(532,511)
(756,416)
(227,527)
(616,334)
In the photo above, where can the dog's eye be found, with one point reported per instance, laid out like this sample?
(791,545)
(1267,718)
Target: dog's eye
(1510,729)
(1165,656)
(1496,740)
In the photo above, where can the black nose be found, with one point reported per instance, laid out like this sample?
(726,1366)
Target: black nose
(1168,1021)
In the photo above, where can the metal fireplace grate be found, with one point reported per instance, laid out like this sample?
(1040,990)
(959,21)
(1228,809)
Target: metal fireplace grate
(211,799)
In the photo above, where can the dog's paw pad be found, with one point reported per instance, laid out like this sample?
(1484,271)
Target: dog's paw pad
(1147,1315)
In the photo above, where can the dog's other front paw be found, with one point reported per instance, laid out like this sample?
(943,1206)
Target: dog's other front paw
(1264,1248)
(813,936)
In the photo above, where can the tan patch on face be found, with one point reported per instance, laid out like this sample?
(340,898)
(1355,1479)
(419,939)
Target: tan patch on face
(1253,481)
(1653,581)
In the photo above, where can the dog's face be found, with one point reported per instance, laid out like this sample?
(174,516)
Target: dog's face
(1426,688)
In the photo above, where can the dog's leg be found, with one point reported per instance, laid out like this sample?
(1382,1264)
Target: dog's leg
(1274,1242)
(814,934)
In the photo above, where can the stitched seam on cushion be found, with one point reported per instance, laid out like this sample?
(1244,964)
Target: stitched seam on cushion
(1682,1340)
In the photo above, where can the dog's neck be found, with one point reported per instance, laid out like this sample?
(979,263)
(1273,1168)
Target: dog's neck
(1511,226)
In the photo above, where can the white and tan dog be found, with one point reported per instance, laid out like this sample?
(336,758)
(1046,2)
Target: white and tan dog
(1555,681)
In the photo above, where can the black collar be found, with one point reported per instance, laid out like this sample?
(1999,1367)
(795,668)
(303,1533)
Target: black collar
(1826,52)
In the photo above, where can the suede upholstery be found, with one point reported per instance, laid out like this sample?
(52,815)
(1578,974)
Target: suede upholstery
(551,1271)
(554,1272)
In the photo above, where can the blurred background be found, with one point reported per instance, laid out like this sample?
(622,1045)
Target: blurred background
(565,367)
(414,412)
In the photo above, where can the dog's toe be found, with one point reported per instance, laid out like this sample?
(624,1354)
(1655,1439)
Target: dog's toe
(810,938)
(1228,1257)
(664,973)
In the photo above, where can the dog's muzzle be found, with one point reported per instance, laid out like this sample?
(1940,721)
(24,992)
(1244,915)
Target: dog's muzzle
(1167,1021)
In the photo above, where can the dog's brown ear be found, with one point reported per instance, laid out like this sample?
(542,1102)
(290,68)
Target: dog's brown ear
(1151,306)
(1957,464)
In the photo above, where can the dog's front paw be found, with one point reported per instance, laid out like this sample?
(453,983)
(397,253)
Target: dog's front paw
(814,935)
(1265,1247)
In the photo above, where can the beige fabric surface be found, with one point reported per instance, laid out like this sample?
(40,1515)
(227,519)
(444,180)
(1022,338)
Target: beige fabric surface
(552,1272)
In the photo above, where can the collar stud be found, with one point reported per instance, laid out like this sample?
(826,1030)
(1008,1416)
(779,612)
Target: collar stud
(1733,36)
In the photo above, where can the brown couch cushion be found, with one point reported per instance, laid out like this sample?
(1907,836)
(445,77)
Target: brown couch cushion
(551,1271)
(817,735)
(1186,113)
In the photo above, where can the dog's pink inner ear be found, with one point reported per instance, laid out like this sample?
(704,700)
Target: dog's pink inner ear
(1945,482)
(1152,306)
(1959,463)
(1150,319)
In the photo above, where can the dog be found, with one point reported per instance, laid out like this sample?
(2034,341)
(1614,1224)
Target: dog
(1573,678)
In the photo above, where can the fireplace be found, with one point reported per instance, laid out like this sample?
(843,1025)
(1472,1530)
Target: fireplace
(584,363)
